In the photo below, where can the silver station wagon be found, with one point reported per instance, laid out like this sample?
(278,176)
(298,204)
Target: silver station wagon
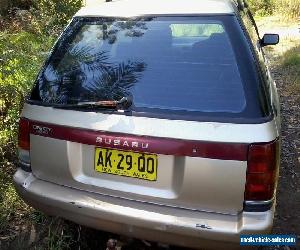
(158,120)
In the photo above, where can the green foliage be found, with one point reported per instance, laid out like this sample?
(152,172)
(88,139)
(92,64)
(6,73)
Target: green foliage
(287,8)
(290,65)
(60,235)
(23,51)
(55,13)
(261,7)
(292,59)
(25,40)
(21,58)
(9,200)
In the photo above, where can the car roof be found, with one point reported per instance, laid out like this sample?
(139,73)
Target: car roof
(132,8)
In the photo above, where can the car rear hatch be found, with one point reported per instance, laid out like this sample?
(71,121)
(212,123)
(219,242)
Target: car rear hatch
(183,142)
(198,167)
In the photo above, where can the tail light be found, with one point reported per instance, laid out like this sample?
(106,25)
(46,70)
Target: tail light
(262,171)
(24,132)
(24,144)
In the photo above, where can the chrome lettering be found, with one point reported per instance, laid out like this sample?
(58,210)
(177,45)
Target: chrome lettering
(41,130)
(98,140)
(117,142)
(120,142)
(107,141)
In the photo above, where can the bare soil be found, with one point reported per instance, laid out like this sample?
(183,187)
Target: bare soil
(287,217)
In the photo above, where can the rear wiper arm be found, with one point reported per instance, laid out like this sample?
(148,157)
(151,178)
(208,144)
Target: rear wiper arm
(123,103)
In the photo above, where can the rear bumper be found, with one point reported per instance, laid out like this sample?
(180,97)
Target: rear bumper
(141,220)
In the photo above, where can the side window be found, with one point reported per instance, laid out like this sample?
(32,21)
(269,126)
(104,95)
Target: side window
(250,27)
(253,33)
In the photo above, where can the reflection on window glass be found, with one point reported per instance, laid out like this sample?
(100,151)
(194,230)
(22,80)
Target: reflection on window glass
(179,65)
(197,30)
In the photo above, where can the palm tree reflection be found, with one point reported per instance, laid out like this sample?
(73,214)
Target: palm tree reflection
(133,28)
(116,81)
(83,72)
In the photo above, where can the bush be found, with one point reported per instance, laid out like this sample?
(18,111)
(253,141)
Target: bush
(290,66)
(20,61)
(288,8)
(23,52)
(55,13)
(41,15)
(25,39)
(261,7)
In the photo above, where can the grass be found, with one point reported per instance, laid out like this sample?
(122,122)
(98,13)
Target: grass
(287,9)
(286,54)
(289,64)
(290,9)
(11,207)
(291,58)
(60,235)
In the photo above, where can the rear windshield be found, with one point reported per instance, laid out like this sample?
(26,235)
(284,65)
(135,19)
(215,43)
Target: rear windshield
(170,65)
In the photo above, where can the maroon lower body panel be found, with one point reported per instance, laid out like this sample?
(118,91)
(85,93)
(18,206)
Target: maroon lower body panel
(139,143)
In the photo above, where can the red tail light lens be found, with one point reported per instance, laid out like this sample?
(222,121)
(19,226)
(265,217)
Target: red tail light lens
(24,134)
(262,171)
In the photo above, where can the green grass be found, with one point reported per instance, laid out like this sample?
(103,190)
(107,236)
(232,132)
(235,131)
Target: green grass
(290,66)
(292,58)
(11,207)
(60,235)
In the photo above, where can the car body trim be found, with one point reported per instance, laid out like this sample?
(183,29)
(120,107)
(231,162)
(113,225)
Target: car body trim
(258,206)
(141,220)
(24,166)
(129,8)
(147,144)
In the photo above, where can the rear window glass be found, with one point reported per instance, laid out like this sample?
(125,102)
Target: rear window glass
(162,63)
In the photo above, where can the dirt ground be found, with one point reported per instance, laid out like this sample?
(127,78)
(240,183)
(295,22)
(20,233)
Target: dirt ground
(287,217)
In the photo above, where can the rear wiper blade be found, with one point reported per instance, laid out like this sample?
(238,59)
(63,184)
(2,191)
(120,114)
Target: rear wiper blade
(124,103)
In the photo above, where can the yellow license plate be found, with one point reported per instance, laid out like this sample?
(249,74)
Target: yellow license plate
(126,163)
